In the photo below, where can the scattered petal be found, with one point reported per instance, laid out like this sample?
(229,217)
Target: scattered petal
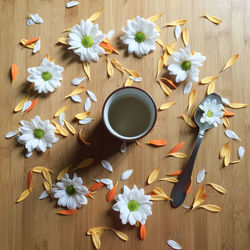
(123,147)
(26,105)
(169,82)
(76,98)
(47,176)
(36,18)
(178,172)
(14,71)
(225,101)
(82,116)
(211,87)
(62,173)
(169,179)
(87,104)
(67,212)
(231,134)
(33,104)
(211,208)
(200,176)
(96,186)
(178,155)
(143,232)
(80,135)
(70,127)
(191,98)
(71,4)
(110,69)
(63,40)
(132,72)
(11,134)
(111,194)
(160,42)
(28,154)
(76,81)
(188,121)
(237,105)
(179,22)
(120,234)
(188,87)
(177,147)
(155,17)
(213,19)
(165,88)
(30,21)
(126,175)
(136,79)
(86,68)
(241,152)
(91,96)
(218,187)
(152,177)
(186,207)
(200,196)
(76,91)
(85,121)
(107,166)
(61,110)
(157,143)
(24,195)
(20,105)
(185,36)
(159,65)
(96,15)
(118,65)
(37,47)
(32,40)
(177,32)
(225,122)
(167,105)
(85,163)
(128,82)
(208,79)
(231,61)
(174,244)
(61,119)
(43,195)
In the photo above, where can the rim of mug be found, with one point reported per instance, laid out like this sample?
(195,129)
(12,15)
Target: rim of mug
(141,136)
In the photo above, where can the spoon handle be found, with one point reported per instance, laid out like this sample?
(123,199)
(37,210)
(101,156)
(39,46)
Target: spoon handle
(178,194)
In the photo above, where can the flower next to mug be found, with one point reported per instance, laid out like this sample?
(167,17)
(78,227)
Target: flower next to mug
(133,205)
(37,134)
(212,112)
(70,193)
(46,77)
(85,39)
(185,65)
(140,35)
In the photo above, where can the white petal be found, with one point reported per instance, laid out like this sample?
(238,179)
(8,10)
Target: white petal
(26,105)
(37,47)
(110,34)
(71,4)
(136,79)
(11,134)
(231,134)
(200,176)
(76,81)
(87,104)
(241,152)
(28,154)
(126,175)
(123,147)
(225,101)
(76,98)
(107,166)
(131,219)
(36,18)
(106,181)
(188,87)
(174,244)
(177,32)
(85,121)
(61,118)
(43,195)
(30,22)
(91,96)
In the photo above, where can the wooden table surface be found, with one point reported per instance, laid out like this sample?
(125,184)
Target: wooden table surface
(34,224)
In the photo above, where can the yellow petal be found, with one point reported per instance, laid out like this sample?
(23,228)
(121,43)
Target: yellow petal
(152,177)
(83,115)
(132,72)
(128,82)
(61,110)
(96,15)
(159,197)
(39,169)
(120,234)
(76,91)
(62,173)
(47,186)
(96,240)
(24,195)
(231,61)
(169,179)
(97,230)
(165,58)
(85,163)
(155,17)
(179,22)
(165,88)
(63,40)
(86,69)
(188,121)
(47,176)
(185,36)
(159,191)
(211,87)
(110,69)
(118,65)
(20,105)
(80,135)
(30,46)
(70,127)
(211,208)
(158,28)
(160,42)
(234,162)
(218,187)
(225,122)
(191,98)
(61,129)
(227,154)
(213,19)
(167,105)
(178,155)
(208,79)
(169,49)
(223,150)
(237,105)
(159,65)
(200,196)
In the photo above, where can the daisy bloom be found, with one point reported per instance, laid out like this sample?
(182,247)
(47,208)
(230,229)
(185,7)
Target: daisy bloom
(85,39)
(70,193)
(212,112)
(185,65)
(133,205)
(37,134)
(140,36)
(46,77)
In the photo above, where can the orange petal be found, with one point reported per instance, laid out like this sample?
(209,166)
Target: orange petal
(67,212)
(32,40)
(111,193)
(178,172)
(143,232)
(177,147)
(96,186)
(33,104)
(29,178)
(14,71)
(157,142)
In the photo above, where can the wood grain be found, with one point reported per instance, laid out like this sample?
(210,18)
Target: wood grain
(34,224)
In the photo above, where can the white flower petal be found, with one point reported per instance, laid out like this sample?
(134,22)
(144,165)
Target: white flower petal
(71,4)
(76,81)
(231,134)
(76,98)
(37,47)
(174,244)
(43,195)
(30,21)
(11,134)
(188,87)
(87,104)
(91,96)
(136,79)
(123,147)
(200,176)
(28,154)
(177,32)
(241,152)
(36,18)
(61,119)
(26,105)
(126,175)
(110,34)
(107,165)
(86,121)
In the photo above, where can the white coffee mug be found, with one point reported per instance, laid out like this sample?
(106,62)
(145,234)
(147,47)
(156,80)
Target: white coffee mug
(126,102)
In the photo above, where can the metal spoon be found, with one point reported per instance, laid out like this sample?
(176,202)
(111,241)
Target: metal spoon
(178,194)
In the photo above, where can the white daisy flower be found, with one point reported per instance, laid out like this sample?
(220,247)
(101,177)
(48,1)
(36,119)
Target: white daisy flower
(133,205)
(212,112)
(184,65)
(70,193)
(46,77)
(140,36)
(85,39)
(37,134)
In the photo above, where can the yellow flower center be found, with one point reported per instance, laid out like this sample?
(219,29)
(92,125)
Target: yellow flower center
(186,65)
(70,190)
(209,113)
(133,205)
(38,133)
(46,76)
(87,41)
(140,37)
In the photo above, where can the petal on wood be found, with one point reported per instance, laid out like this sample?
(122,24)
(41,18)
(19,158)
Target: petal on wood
(155,17)
(62,173)
(24,195)
(177,147)
(132,72)
(97,230)
(47,176)
(165,88)
(189,121)
(179,22)
(82,139)
(208,79)
(30,41)
(169,179)
(29,179)
(118,65)
(185,36)
(67,212)
(14,71)
(237,105)
(86,69)
(96,240)
(81,116)
(157,142)
(191,98)
(61,110)
(159,66)
(160,42)
(30,46)
(211,208)
(167,105)
(211,87)
(62,130)
(39,169)
(218,187)
(120,234)
(96,15)
(76,91)
(200,196)
(33,104)
(159,197)
(111,194)
(128,82)
(85,163)
(169,82)
(174,244)
(20,105)
(143,232)
(96,186)
(110,69)
(152,177)
(178,155)
(165,58)
(213,19)
(178,172)
(70,127)
(231,61)
(63,40)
